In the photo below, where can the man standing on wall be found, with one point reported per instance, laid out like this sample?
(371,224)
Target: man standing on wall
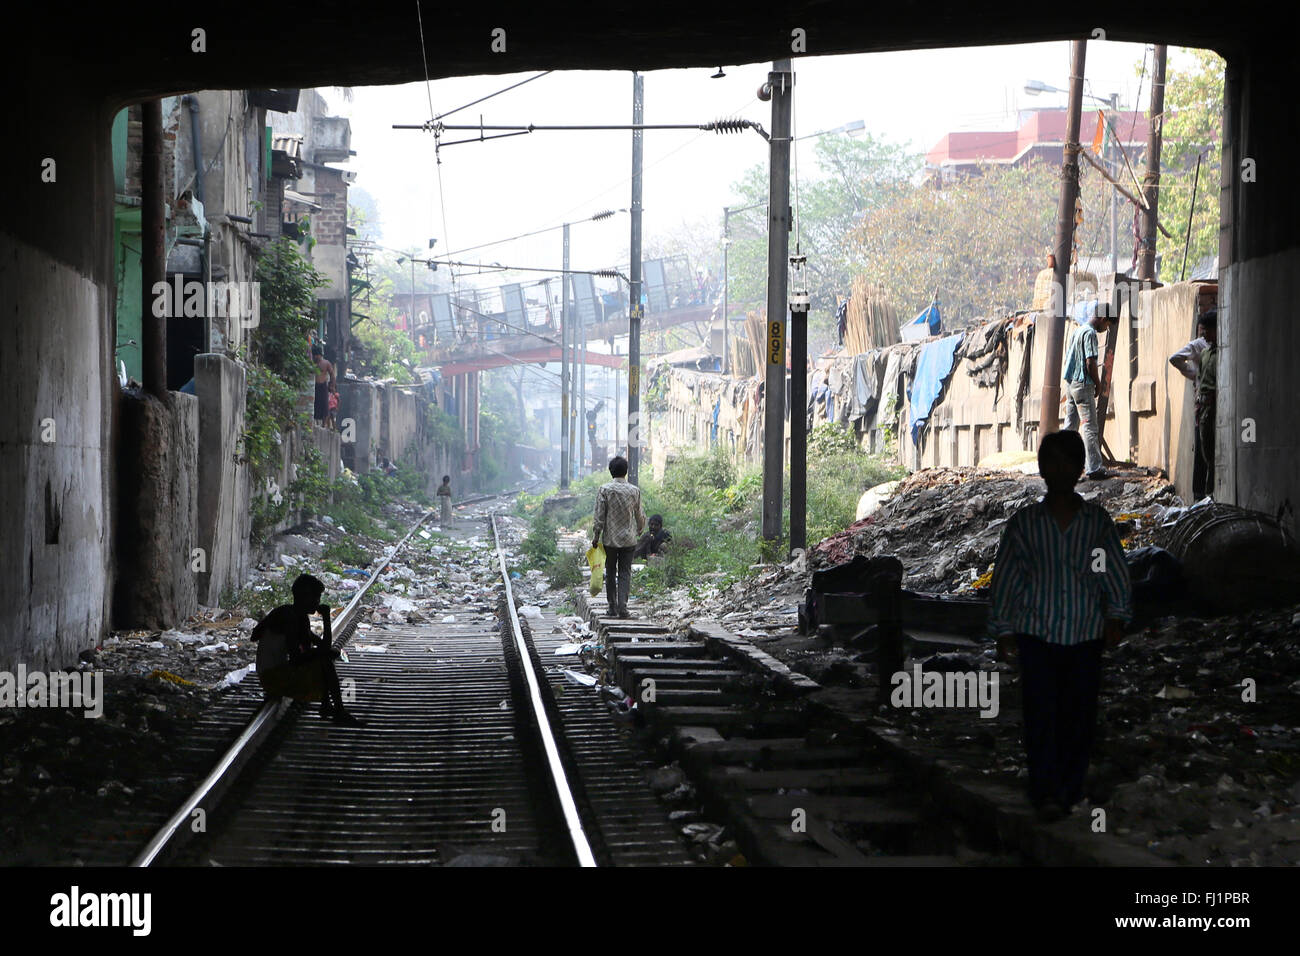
(1083,388)
(1198,361)
(325,386)
(619,519)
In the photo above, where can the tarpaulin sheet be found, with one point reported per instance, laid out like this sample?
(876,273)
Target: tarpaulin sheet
(933,368)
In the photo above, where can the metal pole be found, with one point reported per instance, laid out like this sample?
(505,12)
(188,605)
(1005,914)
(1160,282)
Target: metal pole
(153,334)
(726,248)
(780,81)
(564,367)
(584,450)
(1114,198)
(634,312)
(1054,327)
(798,426)
(1151,181)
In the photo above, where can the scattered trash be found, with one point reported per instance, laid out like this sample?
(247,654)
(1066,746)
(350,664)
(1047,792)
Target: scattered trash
(213,648)
(577,677)
(232,678)
(449,619)
(173,678)
(373,648)
(1170,692)
(531,611)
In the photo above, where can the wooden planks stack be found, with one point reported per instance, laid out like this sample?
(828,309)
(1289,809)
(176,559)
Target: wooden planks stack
(872,321)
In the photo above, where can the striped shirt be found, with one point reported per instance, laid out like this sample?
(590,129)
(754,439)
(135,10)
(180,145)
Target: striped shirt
(619,517)
(1058,586)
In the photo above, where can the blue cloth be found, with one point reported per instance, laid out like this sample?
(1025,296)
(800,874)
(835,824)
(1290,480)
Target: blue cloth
(1082,346)
(929,317)
(1084,311)
(713,431)
(933,368)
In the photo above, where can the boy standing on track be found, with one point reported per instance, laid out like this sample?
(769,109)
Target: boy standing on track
(292,661)
(1061,589)
(620,520)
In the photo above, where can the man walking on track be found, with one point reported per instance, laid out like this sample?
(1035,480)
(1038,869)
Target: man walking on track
(620,519)
(444,496)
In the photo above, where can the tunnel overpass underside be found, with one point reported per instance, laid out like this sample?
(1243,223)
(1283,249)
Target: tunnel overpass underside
(59,499)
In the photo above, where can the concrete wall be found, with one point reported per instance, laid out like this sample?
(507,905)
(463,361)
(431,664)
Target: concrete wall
(362,403)
(972,421)
(223,508)
(330,445)
(56,364)
(403,422)
(157,511)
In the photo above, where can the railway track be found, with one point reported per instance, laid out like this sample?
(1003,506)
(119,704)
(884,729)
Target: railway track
(469,755)
(794,784)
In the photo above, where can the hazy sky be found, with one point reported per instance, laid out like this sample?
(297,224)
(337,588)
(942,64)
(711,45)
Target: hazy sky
(501,188)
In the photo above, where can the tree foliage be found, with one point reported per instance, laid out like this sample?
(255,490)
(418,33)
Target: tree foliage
(287,294)
(977,242)
(1194,126)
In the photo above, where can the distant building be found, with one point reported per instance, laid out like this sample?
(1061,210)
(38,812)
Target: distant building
(1039,137)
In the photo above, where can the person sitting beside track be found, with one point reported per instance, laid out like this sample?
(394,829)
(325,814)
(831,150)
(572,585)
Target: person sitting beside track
(292,661)
(653,541)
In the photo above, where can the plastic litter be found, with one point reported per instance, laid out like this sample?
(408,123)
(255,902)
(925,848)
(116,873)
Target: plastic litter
(531,611)
(566,649)
(596,561)
(449,619)
(373,648)
(231,679)
(577,677)
(213,648)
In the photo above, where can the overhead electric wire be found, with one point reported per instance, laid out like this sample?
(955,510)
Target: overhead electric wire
(490,95)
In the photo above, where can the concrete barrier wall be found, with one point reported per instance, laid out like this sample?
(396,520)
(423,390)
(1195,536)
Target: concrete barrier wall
(56,388)
(403,422)
(157,512)
(360,412)
(1149,419)
(224,520)
(330,445)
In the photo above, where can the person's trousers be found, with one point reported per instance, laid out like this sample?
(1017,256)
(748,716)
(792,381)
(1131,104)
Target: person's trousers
(1203,471)
(1081,408)
(618,577)
(1059,684)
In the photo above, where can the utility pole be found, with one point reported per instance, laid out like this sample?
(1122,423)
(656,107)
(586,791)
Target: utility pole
(798,407)
(1048,414)
(635,313)
(779,88)
(1151,181)
(584,444)
(1112,155)
(726,247)
(564,367)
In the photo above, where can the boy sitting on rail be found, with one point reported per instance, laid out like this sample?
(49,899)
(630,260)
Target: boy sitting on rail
(292,661)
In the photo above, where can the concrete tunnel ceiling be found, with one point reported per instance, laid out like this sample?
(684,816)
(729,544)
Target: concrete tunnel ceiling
(138,52)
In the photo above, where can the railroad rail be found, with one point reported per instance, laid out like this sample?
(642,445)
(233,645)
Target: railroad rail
(463,757)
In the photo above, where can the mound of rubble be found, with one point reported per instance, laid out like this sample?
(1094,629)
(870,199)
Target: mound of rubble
(944,524)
